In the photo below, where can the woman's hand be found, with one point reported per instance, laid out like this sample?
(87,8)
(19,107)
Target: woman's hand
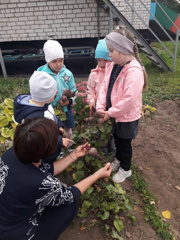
(80,151)
(105,171)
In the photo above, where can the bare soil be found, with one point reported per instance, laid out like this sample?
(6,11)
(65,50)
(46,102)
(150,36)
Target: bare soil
(156,151)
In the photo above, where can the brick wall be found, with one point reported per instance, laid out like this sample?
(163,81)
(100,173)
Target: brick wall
(24,20)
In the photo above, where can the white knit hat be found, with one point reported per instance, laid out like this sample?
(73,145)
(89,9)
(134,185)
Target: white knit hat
(43,86)
(52,50)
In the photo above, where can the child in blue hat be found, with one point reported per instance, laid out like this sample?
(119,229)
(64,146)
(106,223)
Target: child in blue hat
(97,75)
(94,81)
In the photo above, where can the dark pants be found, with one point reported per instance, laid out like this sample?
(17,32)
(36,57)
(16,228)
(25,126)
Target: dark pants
(55,220)
(123,151)
(69,122)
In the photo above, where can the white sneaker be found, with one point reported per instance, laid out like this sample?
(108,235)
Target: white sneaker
(121,175)
(115,165)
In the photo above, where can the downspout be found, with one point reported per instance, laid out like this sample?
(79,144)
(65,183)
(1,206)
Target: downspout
(98,20)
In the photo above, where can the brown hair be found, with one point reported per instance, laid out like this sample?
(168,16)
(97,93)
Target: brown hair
(35,139)
(126,33)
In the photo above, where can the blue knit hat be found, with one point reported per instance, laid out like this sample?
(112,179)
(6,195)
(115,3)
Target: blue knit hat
(102,51)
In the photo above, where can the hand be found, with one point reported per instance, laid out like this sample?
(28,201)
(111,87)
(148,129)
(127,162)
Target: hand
(106,115)
(66,142)
(61,130)
(64,103)
(105,171)
(92,109)
(80,151)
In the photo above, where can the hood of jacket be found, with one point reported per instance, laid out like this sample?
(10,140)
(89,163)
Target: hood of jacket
(23,109)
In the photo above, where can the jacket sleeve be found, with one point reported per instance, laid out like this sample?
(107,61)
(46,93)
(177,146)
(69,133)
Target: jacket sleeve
(133,86)
(91,92)
(52,193)
(101,101)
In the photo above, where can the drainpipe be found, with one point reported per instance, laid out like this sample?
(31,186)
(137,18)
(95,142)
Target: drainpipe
(2,65)
(98,20)
(110,20)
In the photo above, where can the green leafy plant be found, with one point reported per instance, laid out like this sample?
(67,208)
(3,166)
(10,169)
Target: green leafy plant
(7,123)
(150,201)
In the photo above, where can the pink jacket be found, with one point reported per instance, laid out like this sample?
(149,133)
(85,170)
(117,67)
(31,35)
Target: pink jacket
(126,95)
(94,81)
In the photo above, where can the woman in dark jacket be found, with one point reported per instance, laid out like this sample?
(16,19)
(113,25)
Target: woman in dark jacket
(33,203)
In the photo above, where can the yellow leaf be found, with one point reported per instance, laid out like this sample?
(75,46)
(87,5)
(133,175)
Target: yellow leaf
(82,228)
(166,214)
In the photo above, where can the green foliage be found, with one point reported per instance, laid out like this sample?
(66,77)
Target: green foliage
(161,85)
(7,123)
(151,214)
(12,87)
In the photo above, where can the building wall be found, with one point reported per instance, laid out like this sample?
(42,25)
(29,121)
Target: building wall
(24,20)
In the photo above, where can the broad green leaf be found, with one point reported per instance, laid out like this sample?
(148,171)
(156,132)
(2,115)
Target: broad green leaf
(3,121)
(115,235)
(1,112)
(106,229)
(80,165)
(8,111)
(79,174)
(9,102)
(6,132)
(90,190)
(2,139)
(110,188)
(128,204)
(105,216)
(132,217)
(118,224)
(86,205)
(12,133)
(14,125)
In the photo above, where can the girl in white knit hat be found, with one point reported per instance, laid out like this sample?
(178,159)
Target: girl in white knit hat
(54,57)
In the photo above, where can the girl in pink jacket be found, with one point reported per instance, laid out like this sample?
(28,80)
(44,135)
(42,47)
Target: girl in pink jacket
(97,75)
(120,96)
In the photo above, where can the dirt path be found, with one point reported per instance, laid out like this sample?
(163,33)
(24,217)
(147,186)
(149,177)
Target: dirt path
(157,154)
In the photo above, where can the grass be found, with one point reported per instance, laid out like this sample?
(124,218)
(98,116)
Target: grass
(162,85)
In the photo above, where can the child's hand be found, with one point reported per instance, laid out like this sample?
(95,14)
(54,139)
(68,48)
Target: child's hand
(65,142)
(61,130)
(91,106)
(64,103)
(105,171)
(106,115)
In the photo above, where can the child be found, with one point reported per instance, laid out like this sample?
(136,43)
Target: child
(94,81)
(97,75)
(55,67)
(120,96)
(43,89)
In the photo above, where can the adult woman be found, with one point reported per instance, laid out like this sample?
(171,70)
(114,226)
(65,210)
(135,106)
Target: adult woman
(33,203)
